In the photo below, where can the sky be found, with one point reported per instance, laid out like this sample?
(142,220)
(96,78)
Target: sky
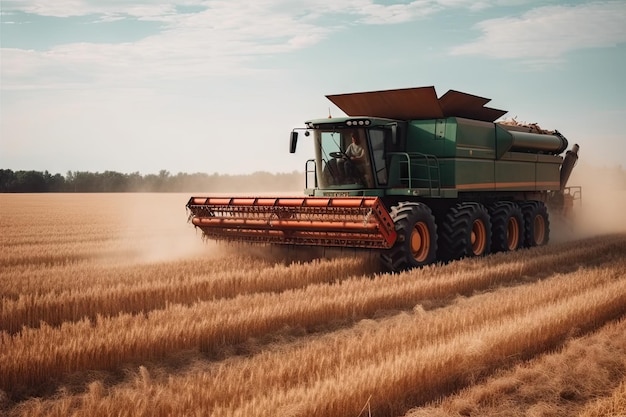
(216,86)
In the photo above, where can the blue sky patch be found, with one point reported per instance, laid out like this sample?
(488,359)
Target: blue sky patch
(189,9)
(35,32)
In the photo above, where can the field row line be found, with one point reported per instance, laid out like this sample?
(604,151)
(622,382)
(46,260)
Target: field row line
(419,375)
(145,295)
(101,274)
(611,406)
(31,310)
(586,369)
(370,342)
(32,355)
(401,360)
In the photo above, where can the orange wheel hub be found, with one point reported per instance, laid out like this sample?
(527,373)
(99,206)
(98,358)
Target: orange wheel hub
(420,242)
(479,237)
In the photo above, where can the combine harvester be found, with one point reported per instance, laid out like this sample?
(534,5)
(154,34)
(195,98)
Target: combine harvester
(429,179)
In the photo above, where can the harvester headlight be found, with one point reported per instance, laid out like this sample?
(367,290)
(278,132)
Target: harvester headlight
(365,122)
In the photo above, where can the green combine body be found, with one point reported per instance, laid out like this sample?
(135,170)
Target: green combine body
(445,157)
(433,179)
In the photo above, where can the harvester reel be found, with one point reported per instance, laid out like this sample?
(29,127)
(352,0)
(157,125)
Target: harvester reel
(465,231)
(536,223)
(416,244)
(507,226)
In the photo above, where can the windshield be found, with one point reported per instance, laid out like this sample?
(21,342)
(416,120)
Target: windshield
(343,158)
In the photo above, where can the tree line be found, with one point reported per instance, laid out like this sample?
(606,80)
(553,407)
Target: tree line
(164,181)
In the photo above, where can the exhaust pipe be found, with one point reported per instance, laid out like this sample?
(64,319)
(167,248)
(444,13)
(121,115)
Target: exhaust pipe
(571,157)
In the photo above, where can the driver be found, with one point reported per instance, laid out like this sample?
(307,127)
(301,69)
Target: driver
(355,151)
(353,154)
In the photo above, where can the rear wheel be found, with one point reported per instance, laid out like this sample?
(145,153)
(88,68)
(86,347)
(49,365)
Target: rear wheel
(465,231)
(417,237)
(536,223)
(507,226)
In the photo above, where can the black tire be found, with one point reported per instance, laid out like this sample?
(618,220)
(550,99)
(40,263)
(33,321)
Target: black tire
(507,226)
(465,231)
(416,244)
(536,223)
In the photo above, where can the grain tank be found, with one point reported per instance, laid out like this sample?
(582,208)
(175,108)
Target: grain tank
(415,177)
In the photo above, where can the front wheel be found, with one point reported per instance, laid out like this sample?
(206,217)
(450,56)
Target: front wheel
(417,237)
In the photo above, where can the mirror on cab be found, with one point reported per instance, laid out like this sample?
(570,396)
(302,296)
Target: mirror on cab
(293,142)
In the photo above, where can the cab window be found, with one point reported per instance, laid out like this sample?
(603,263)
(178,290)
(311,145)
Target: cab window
(377,141)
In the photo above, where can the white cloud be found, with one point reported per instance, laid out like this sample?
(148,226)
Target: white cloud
(222,37)
(369,9)
(545,34)
(70,8)
(218,40)
(375,13)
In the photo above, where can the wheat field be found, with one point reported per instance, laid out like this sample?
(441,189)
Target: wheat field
(112,305)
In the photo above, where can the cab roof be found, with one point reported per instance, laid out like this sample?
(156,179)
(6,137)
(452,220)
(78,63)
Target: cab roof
(416,103)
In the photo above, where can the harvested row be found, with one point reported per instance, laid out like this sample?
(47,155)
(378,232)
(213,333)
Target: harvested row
(585,369)
(371,341)
(41,230)
(94,274)
(54,256)
(91,291)
(32,356)
(615,405)
(44,254)
(139,294)
(37,218)
(16,238)
(405,359)
(355,351)
(440,366)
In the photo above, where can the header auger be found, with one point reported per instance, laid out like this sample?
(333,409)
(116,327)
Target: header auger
(418,178)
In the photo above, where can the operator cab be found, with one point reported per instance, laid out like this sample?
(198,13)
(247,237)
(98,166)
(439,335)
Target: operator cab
(350,153)
(343,158)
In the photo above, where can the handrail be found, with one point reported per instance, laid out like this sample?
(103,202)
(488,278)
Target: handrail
(417,160)
(576,192)
(307,171)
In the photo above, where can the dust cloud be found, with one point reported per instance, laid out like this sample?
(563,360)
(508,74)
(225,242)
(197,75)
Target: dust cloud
(602,208)
(156,228)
